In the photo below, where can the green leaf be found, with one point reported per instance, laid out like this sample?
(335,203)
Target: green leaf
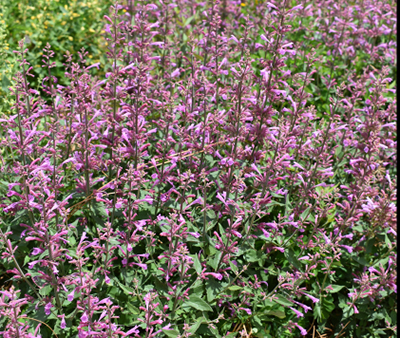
(196,325)
(231,335)
(188,20)
(46,290)
(198,57)
(235,288)
(171,333)
(197,264)
(198,288)
(214,262)
(360,260)
(126,289)
(317,311)
(26,259)
(197,303)
(132,309)
(388,241)
(233,266)
(305,213)
(328,306)
(214,332)
(44,254)
(255,256)
(159,285)
(257,321)
(382,262)
(283,301)
(276,313)
(179,23)
(291,257)
(369,245)
(113,290)
(5,83)
(99,209)
(213,288)
(376,316)
(272,270)
(324,308)
(336,288)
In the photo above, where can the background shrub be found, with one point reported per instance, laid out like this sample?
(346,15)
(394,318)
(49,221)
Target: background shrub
(66,25)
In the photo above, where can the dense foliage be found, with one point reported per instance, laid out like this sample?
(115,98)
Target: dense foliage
(232,174)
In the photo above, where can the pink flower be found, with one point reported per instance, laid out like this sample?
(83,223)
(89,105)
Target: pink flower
(47,308)
(305,307)
(143,266)
(175,73)
(215,275)
(315,300)
(302,330)
(63,324)
(348,248)
(70,297)
(194,234)
(298,313)
(134,331)
(84,317)
(245,309)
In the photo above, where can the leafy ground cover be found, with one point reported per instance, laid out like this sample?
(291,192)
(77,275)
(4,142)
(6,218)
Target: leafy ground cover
(228,170)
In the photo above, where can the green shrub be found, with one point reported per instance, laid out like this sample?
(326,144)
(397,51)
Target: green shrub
(66,25)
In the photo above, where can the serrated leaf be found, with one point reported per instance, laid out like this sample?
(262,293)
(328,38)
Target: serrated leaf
(233,266)
(198,303)
(283,301)
(197,264)
(255,256)
(213,288)
(196,325)
(328,305)
(99,209)
(317,311)
(214,261)
(171,333)
(46,290)
(215,332)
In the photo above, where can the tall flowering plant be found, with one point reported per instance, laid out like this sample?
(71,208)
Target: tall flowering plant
(232,175)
